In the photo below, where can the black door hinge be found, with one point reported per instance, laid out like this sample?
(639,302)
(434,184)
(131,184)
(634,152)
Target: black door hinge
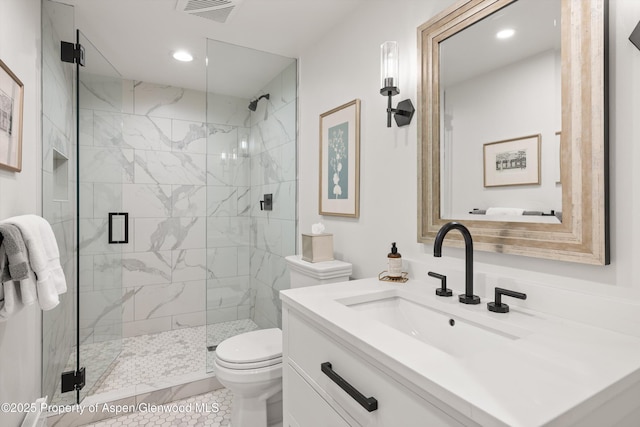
(70,52)
(72,380)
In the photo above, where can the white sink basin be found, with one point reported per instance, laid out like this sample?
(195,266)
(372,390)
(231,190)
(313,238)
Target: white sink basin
(449,333)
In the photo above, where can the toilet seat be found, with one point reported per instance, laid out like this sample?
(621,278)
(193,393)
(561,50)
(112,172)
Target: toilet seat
(251,350)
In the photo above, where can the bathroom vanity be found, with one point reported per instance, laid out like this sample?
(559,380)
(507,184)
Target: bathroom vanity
(370,353)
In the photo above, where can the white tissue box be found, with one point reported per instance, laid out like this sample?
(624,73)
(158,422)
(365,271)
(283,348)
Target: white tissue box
(317,247)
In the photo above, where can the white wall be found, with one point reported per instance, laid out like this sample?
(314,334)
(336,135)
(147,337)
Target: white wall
(20,346)
(523,98)
(345,65)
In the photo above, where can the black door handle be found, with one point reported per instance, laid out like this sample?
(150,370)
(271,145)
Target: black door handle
(368,403)
(125,237)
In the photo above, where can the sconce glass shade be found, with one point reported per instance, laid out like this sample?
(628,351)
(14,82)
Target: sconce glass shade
(389,67)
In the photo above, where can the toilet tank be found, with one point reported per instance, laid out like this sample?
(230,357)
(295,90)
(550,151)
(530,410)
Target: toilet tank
(303,273)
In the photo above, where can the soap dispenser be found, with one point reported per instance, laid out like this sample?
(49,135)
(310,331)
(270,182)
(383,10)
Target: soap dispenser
(395,262)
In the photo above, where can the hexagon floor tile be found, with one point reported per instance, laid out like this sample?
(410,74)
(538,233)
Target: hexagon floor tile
(211,409)
(146,358)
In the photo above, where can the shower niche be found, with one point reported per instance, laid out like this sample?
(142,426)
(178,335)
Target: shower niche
(60,177)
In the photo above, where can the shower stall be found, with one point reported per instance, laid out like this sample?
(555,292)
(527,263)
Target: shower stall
(156,196)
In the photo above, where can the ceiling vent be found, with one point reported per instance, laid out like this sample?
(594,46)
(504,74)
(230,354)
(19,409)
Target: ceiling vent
(214,10)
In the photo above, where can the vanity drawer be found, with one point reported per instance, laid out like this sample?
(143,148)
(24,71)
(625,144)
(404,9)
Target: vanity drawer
(306,408)
(308,348)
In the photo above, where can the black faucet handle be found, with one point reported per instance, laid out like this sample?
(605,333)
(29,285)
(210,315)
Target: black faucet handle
(497,306)
(442,291)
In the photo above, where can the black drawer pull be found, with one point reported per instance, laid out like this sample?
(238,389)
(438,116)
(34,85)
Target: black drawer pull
(368,403)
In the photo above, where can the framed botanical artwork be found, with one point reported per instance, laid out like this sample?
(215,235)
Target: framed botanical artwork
(340,161)
(11,100)
(512,162)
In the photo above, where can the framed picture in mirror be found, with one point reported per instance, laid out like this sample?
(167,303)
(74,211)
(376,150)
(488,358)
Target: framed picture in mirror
(512,162)
(11,100)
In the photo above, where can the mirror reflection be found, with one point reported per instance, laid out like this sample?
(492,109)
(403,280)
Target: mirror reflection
(500,116)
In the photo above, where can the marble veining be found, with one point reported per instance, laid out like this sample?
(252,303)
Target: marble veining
(93,236)
(147,200)
(106,164)
(189,264)
(225,262)
(146,268)
(222,201)
(105,270)
(227,171)
(190,136)
(170,168)
(169,101)
(169,233)
(188,200)
(172,95)
(223,138)
(100,308)
(244,201)
(101,92)
(147,133)
(227,292)
(105,129)
(178,292)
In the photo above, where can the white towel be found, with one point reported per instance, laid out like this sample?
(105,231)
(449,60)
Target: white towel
(44,258)
(10,302)
(504,211)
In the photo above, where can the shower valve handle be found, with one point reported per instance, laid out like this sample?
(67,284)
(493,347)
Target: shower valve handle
(267,203)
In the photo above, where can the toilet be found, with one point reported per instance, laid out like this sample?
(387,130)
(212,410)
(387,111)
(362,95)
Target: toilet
(250,364)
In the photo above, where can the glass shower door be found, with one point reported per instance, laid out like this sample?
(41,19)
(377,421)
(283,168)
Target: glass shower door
(104,166)
(251,155)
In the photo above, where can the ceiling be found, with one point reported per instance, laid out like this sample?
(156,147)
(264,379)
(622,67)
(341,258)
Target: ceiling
(139,36)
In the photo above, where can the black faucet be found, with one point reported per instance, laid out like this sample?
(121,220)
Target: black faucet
(468,297)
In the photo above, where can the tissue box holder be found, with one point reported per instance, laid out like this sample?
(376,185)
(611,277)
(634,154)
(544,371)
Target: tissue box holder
(317,247)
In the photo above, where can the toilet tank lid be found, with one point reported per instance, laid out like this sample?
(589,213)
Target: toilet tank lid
(319,270)
(250,347)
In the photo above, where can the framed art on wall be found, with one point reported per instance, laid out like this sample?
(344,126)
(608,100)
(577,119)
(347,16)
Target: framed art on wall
(512,162)
(339,187)
(11,100)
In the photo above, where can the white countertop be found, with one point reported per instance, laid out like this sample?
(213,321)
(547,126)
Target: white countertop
(555,373)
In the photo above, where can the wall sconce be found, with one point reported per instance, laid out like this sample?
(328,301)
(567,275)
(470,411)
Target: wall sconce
(389,67)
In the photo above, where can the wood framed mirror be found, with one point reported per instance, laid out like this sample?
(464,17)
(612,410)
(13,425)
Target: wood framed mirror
(480,115)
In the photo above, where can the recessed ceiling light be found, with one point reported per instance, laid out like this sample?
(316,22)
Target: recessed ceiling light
(506,33)
(182,55)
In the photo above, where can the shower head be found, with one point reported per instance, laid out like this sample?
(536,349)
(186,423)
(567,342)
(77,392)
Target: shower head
(253,105)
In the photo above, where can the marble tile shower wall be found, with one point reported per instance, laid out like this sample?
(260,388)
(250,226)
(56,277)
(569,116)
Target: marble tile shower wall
(58,183)
(160,160)
(273,170)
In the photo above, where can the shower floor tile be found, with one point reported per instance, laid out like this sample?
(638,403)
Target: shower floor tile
(150,359)
(210,409)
